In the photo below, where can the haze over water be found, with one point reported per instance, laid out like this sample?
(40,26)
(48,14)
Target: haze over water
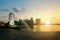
(46,28)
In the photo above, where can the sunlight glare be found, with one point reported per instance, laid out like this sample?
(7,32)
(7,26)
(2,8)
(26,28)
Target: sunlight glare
(47,23)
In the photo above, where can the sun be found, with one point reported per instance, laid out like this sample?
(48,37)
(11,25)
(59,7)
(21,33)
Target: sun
(47,23)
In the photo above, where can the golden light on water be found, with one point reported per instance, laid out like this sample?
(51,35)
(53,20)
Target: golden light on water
(46,28)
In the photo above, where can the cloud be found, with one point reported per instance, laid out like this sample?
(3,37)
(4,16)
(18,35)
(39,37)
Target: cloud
(16,9)
(4,10)
(20,10)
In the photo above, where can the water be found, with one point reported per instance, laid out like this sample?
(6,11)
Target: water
(39,32)
(46,28)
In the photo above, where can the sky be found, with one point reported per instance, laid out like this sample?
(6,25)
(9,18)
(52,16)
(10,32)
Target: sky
(46,10)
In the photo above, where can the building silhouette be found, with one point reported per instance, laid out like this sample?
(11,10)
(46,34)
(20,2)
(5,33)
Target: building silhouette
(30,22)
(38,21)
(20,22)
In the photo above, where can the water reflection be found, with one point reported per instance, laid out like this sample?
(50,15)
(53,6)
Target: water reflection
(36,28)
(46,28)
(46,32)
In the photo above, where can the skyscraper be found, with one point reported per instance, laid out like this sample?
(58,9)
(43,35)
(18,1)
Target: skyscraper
(38,21)
(11,19)
(32,21)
